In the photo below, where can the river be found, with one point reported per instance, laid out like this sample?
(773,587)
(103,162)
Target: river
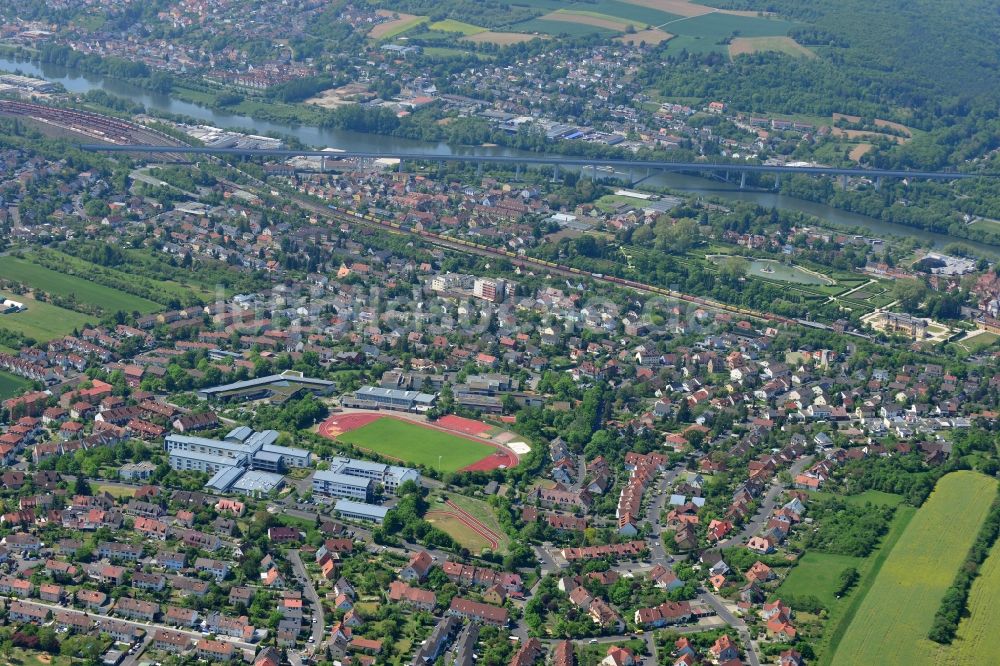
(79,82)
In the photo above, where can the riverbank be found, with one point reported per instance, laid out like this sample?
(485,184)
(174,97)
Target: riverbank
(314,135)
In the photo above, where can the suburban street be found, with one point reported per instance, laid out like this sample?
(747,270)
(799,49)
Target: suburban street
(736,623)
(767,506)
(148,627)
(318,621)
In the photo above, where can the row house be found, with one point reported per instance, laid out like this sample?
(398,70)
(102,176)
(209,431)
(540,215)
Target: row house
(136,609)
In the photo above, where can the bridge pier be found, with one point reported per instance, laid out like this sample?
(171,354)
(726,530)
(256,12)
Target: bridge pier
(555,173)
(777,181)
(725,176)
(402,168)
(593,173)
(479,168)
(878,183)
(843,182)
(517,171)
(743,179)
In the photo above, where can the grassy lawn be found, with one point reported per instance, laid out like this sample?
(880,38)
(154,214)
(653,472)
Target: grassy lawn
(482,512)
(876,497)
(132,271)
(817,574)
(412,443)
(979,342)
(59,284)
(459,531)
(20,657)
(11,385)
(892,621)
(43,321)
(116,491)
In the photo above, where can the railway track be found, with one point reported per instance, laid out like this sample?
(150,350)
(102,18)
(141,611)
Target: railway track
(532,263)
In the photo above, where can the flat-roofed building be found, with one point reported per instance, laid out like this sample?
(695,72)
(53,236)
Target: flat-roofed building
(386,398)
(286,383)
(337,484)
(369,513)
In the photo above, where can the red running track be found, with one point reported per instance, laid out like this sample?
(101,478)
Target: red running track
(472,518)
(473,525)
(338,424)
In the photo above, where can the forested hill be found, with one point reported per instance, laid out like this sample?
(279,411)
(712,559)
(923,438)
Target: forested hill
(923,48)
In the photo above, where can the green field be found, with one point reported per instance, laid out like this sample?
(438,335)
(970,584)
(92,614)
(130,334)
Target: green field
(703,34)
(43,321)
(139,269)
(59,284)
(876,497)
(625,10)
(451,25)
(892,621)
(978,641)
(412,443)
(556,28)
(979,342)
(11,385)
(484,513)
(817,575)
(402,26)
(463,535)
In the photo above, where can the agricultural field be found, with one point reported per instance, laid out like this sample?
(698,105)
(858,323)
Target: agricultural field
(651,36)
(683,8)
(451,25)
(709,32)
(747,45)
(12,385)
(892,621)
(499,38)
(590,19)
(396,26)
(817,575)
(557,28)
(43,321)
(859,151)
(412,443)
(34,276)
(978,641)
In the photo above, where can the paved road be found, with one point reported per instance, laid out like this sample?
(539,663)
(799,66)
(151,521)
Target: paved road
(318,622)
(654,513)
(133,659)
(736,623)
(767,506)
(548,159)
(148,627)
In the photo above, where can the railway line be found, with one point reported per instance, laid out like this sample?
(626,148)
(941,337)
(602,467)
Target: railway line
(113,131)
(532,263)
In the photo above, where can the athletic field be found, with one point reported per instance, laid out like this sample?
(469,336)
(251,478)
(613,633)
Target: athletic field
(415,443)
